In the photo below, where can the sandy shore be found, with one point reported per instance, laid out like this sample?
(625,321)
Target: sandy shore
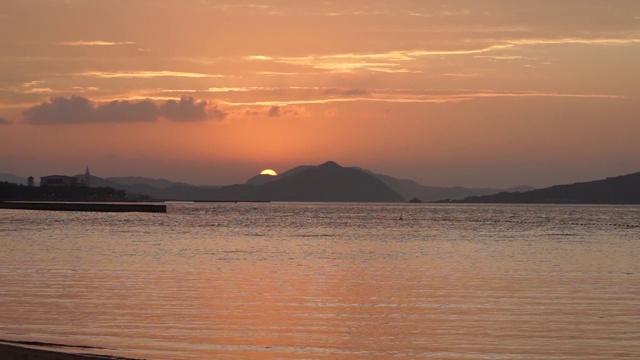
(17,352)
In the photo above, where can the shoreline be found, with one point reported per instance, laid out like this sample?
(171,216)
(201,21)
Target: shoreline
(10,350)
(83,206)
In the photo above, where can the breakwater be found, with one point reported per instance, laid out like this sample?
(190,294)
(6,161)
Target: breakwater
(95,207)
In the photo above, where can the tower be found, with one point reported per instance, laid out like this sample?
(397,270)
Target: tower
(87,177)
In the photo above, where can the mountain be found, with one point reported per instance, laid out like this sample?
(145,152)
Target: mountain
(14,179)
(138,180)
(263,179)
(329,182)
(614,190)
(326,182)
(410,189)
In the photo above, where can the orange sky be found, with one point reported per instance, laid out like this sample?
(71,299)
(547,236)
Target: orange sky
(466,92)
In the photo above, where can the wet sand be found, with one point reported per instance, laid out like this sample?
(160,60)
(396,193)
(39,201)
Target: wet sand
(18,352)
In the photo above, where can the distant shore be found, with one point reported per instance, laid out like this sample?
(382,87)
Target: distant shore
(18,352)
(83,206)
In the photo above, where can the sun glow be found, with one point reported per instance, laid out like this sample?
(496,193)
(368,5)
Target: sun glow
(268,172)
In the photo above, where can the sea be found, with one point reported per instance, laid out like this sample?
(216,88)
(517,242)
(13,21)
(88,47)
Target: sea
(326,281)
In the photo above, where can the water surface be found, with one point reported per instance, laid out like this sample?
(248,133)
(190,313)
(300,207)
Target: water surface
(327,281)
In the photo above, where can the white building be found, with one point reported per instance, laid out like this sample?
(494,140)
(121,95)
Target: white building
(58,180)
(63,180)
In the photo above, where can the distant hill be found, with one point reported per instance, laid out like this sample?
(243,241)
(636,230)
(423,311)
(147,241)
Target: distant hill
(330,182)
(326,182)
(138,180)
(263,179)
(410,189)
(14,179)
(614,190)
(160,189)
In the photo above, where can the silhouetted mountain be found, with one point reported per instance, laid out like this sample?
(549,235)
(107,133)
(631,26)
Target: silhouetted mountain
(614,190)
(410,189)
(137,180)
(297,169)
(326,182)
(159,189)
(14,179)
(100,182)
(329,182)
(261,179)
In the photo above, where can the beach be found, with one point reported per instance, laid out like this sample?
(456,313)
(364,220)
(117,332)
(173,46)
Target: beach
(17,352)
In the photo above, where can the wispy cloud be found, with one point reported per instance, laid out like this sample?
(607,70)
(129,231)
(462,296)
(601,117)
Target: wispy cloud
(427,97)
(33,83)
(462,75)
(503,57)
(178,90)
(395,61)
(95,43)
(36,87)
(146,74)
(39,90)
(231,89)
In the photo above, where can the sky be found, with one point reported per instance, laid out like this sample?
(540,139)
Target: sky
(490,93)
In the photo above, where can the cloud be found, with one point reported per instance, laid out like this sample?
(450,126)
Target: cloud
(95,43)
(410,96)
(287,110)
(346,92)
(5,121)
(395,61)
(80,110)
(274,111)
(216,113)
(125,111)
(188,109)
(145,74)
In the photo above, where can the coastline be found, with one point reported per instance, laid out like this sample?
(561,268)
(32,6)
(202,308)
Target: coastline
(83,206)
(19,351)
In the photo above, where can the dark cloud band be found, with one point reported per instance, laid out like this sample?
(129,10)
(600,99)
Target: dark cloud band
(80,110)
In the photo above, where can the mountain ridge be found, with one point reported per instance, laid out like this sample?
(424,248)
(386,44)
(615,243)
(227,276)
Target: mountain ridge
(412,189)
(307,185)
(11,178)
(623,189)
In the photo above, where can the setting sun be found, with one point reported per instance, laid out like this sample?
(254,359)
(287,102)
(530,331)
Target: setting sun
(268,172)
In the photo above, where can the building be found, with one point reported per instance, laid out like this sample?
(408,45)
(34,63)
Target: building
(58,180)
(87,178)
(30,181)
(63,180)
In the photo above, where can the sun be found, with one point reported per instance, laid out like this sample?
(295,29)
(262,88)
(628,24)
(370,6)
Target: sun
(269,172)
